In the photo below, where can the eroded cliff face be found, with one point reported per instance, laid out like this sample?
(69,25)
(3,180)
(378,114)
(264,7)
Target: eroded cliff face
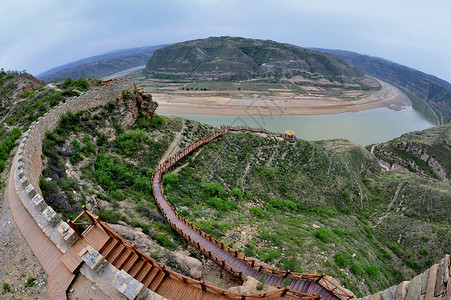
(426,153)
(134,105)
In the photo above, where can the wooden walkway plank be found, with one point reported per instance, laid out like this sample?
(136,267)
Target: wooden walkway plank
(48,255)
(201,242)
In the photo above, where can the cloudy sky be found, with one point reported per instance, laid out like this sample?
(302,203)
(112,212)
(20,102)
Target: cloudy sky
(39,35)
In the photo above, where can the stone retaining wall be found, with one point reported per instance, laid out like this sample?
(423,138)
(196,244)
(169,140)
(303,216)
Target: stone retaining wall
(29,163)
(432,284)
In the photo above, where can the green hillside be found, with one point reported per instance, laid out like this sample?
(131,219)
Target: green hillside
(313,206)
(233,58)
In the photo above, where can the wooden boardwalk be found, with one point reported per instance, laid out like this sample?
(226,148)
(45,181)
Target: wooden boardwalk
(48,255)
(233,261)
(169,284)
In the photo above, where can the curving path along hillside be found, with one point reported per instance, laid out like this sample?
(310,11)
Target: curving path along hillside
(231,260)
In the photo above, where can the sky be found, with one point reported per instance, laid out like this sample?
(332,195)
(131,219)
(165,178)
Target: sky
(39,35)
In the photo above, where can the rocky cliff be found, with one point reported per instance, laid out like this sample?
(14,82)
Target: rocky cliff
(132,105)
(423,152)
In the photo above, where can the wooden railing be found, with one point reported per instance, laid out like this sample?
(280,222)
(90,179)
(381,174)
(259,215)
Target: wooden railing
(158,192)
(189,281)
(73,224)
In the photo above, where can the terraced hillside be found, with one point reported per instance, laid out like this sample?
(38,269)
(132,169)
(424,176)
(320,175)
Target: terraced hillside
(232,58)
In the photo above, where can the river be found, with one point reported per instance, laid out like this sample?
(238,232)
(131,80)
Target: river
(363,127)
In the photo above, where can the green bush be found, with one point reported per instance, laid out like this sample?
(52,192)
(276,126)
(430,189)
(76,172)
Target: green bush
(396,249)
(322,234)
(257,211)
(165,242)
(6,287)
(130,143)
(30,282)
(110,216)
(142,123)
(270,172)
(341,259)
(282,204)
(356,269)
(424,238)
(212,189)
(222,205)
(372,271)
(170,178)
(156,121)
(237,193)
(424,252)
(409,262)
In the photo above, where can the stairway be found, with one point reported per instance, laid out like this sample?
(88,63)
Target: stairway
(124,259)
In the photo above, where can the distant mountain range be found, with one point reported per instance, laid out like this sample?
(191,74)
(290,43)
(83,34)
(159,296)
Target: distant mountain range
(427,92)
(101,65)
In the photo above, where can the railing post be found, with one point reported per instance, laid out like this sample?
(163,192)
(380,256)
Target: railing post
(166,273)
(203,286)
(89,216)
(286,274)
(285,291)
(71,224)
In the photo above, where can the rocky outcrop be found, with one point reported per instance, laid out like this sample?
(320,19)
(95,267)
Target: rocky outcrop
(134,105)
(423,152)
(434,283)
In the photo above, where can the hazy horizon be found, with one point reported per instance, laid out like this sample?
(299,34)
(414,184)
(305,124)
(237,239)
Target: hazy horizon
(40,36)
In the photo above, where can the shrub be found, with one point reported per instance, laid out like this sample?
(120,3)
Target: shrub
(30,282)
(424,252)
(270,172)
(165,242)
(372,271)
(6,287)
(237,193)
(212,189)
(270,255)
(170,178)
(142,123)
(322,234)
(413,265)
(356,269)
(396,249)
(282,204)
(257,211)
(368,231)
(222,205)
(384,255)
(109,216)
(341,259)
(130,142)
(424,238)
(156,121)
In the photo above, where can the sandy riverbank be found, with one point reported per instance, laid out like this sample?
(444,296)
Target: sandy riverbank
(388,96)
